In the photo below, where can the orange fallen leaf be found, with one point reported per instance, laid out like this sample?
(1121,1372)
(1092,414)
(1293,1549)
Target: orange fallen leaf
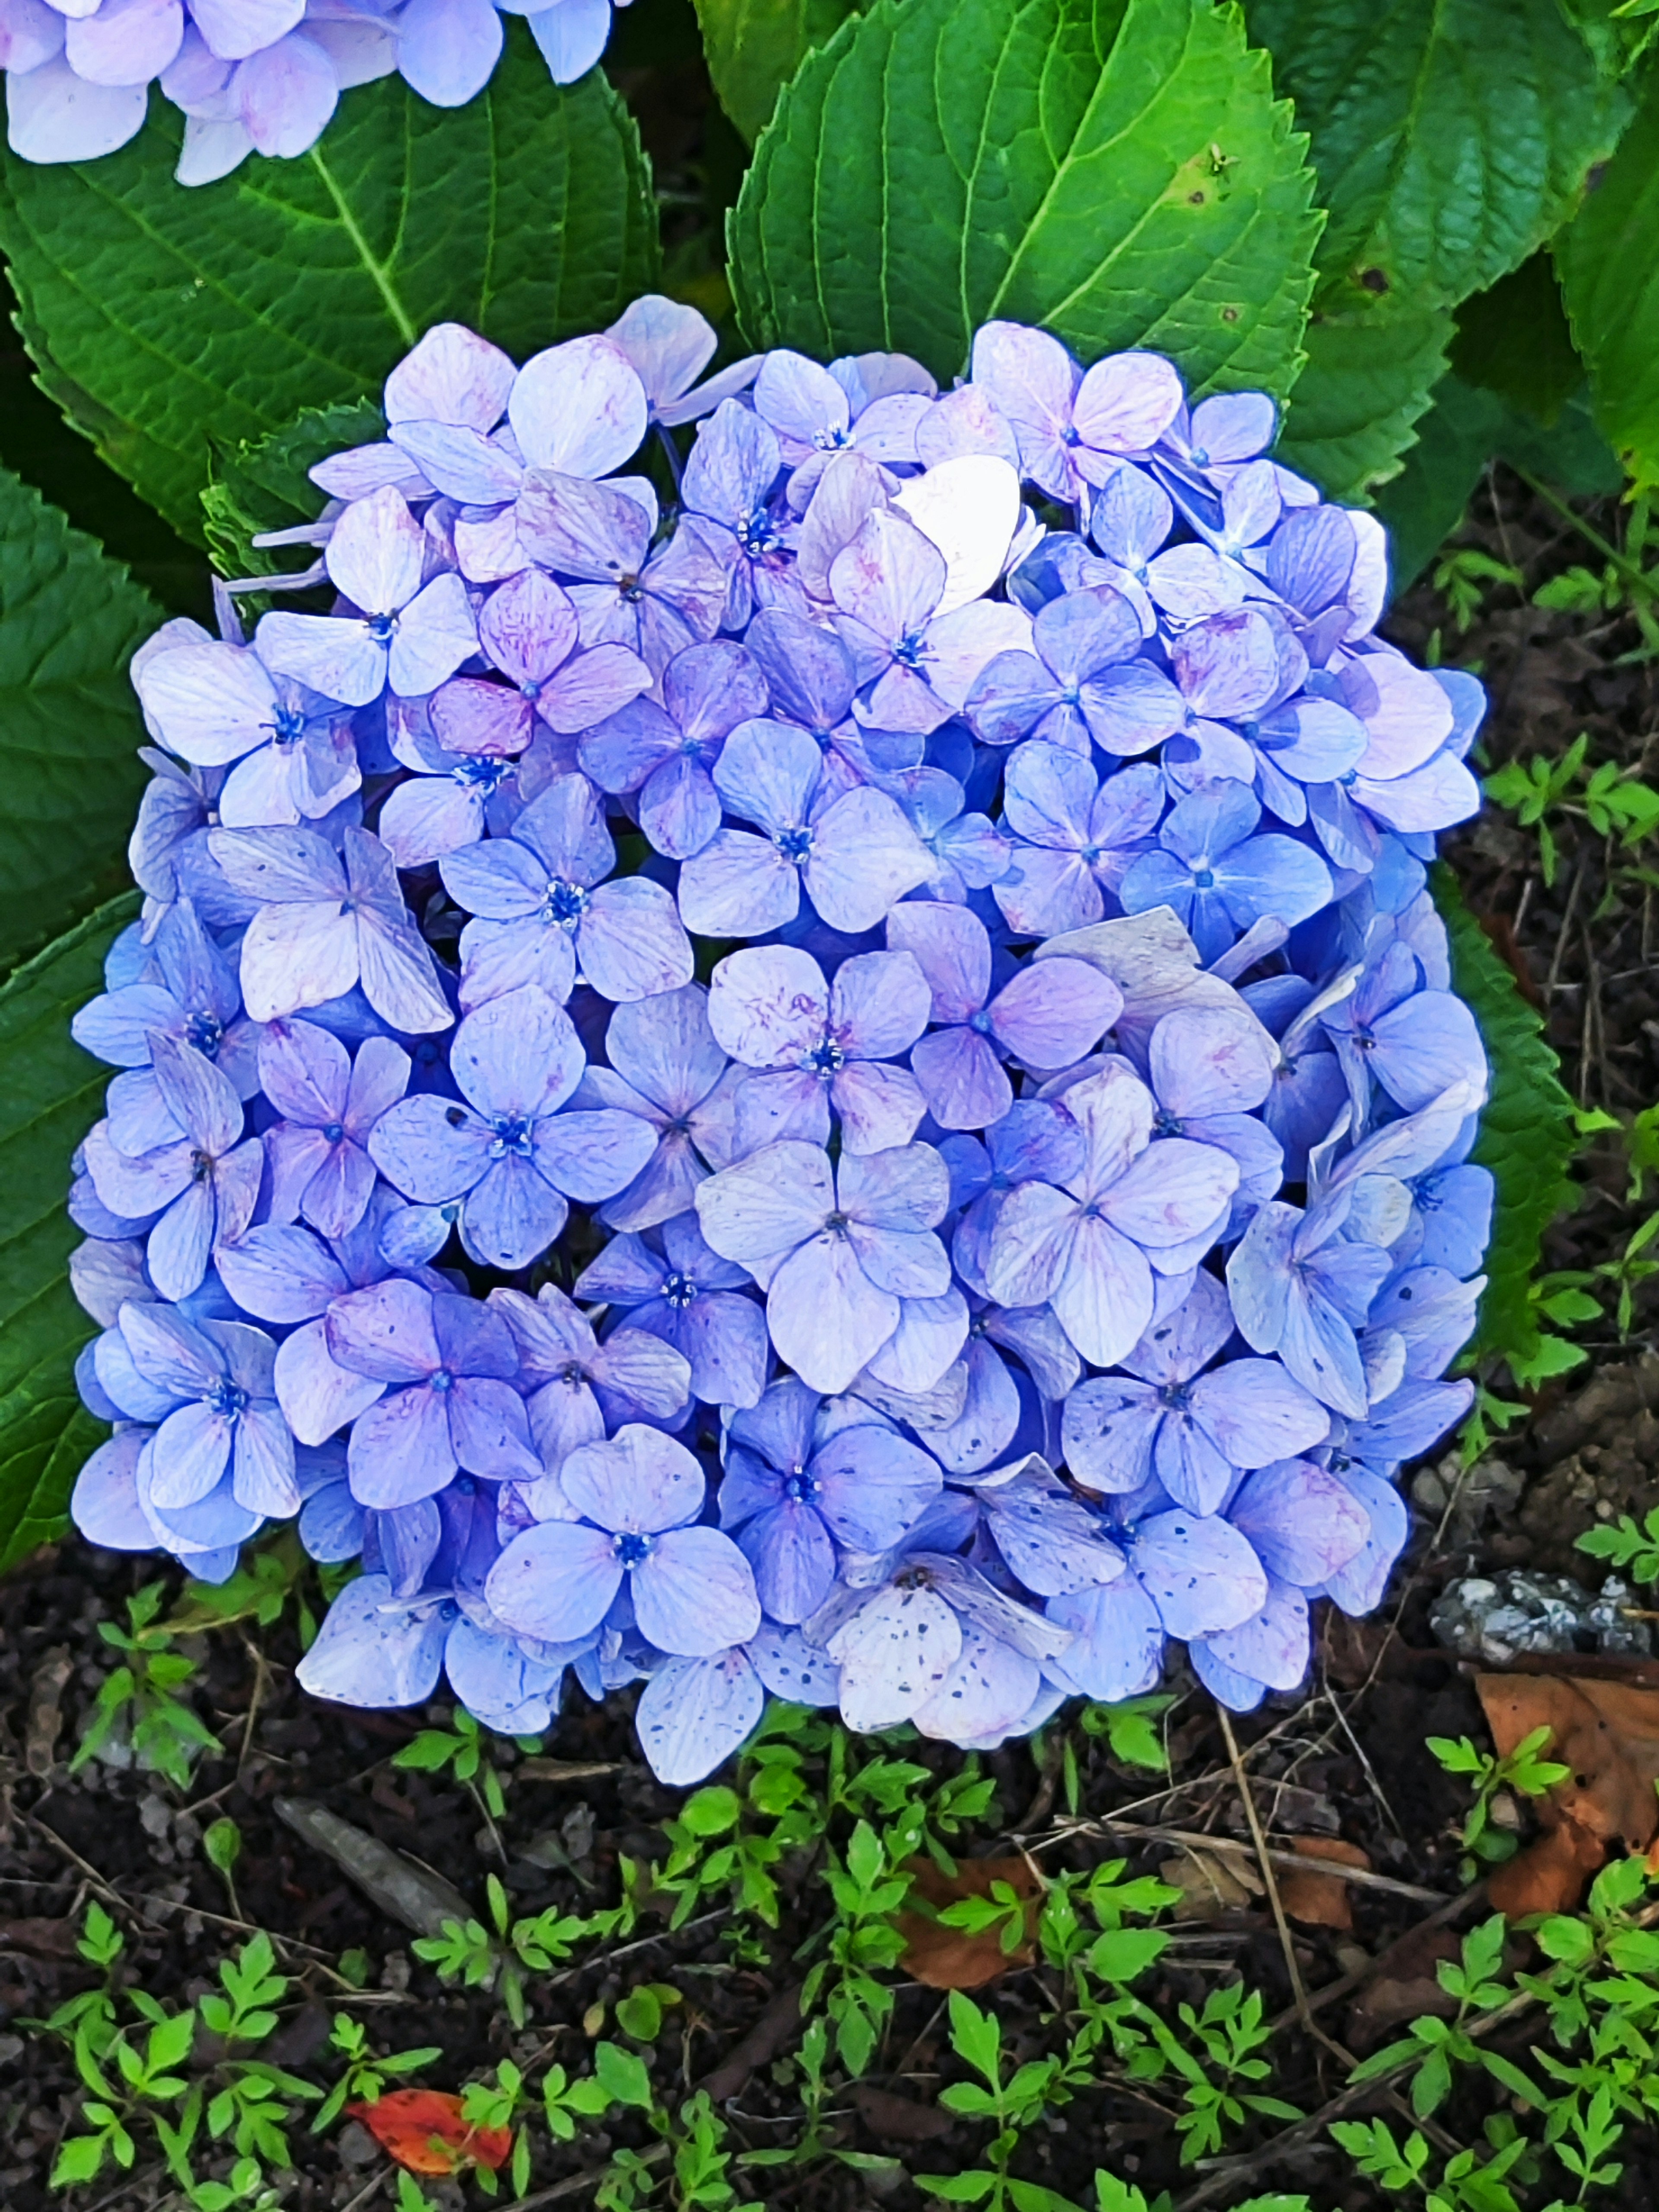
(427,2131)
(1320,1901)
(1606,1733)
(959,1958)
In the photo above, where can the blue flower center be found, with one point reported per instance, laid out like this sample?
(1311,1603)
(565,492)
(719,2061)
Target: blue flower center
(205,1032)
(826,1058)
(1176,1395)
(757,537)
(1348,778)
(442,1379)
(980,1021)
(333,1131)
(512,1134)
(564,904)
(1201,458)
(795,845)
(911,652)
(382,628)
(836,1224)
(801,1488)
(227,1399)
(1203,879)
(1166,1125)
(831,440)
(678,1290)
(288,727)
(1090,853)
(633,1550)
(476,772)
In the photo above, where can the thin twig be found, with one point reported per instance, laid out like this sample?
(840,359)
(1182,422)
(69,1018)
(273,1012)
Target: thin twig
(1198,1839)
(576,2183)
(1287,1941)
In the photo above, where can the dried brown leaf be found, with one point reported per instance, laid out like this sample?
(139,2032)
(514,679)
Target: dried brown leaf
(953,1958)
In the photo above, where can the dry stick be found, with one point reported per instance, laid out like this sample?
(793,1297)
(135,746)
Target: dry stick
(1294,1862)
(1286,1943)
(1566,925)
(577,2182)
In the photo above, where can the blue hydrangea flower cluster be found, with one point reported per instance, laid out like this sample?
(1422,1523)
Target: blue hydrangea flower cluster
(254,76)
(934,1157)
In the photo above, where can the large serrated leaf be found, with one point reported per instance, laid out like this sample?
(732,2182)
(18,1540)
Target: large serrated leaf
(754,46)
(1527,1134)
(49,1095)
(265,484)
(1114,170)
(1610,276)
(1373,366)
(70,726)
(1451,136)
(161,318)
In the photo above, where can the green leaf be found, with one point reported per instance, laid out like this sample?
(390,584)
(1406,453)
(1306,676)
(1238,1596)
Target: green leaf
(69,725)
(754,46)
(1114,170)
(621,2075)
(1373,364)
(1451,136)
(1527,1135)
(161,320)
(1610,278)
(50,1091)
(263,484)
(1513,339)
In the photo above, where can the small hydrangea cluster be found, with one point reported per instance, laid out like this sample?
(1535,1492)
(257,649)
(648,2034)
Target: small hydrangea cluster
(253,75)
(934,1159)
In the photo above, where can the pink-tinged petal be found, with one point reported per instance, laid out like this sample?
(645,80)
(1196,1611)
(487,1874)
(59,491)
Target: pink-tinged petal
(757,1212)
(1199,1571)
(799,398)
(961,645)
(1174,1190)
(1117,1647)
(1210,1060)
(385,1332)
(1271,1646)
(768,1006)
(880,1107)
(864,857)
(428,817)
(431,1149)
(639,1481)
(828,1319)
(317,1396)
(593,1155)
(285,95)
(769,1108)
(669,344)
(590,686)
(518,1057)
(528,626)
(399,976)
(953,952)
(632,943)
(889,579)
(1032,379)
(489,1430)
(1305,1524)
(452,376)
(663,1046)
(210,702)
(126,41)
(1408,716)
(499,956)
(472,716)
(1358,1586)
(30,33)
(1103,1300)
(305,1072)
(962,1079)
(1115,1111)
(894,1654)
(400,1450)
(694,1594)
(280,1274)
(879,1005)
(104,1503)
(555,1581)
(1124,406)
(1258,1414)
(53,115)
(1031,1245)
(294,1156)
(738,885)
(1053,1012)
(434,634)
(371,1653)
(264,1479)
(579,408)
(295,956)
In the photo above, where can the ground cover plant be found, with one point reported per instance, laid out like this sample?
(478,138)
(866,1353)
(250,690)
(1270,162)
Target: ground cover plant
(792,1031)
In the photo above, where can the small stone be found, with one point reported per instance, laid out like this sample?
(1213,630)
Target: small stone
(154,1818)
(1497,1619)
(356,2145)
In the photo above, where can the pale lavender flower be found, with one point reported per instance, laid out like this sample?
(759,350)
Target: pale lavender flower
(509,1153)
(694,1300)
(1081,684)
(694,1713)
(326,921)
(290,752)
(799,1481)
(410,635)
(580,1390)
(666,1068)
(597,537)
(836,1249)
(663,754)
(375,1650)
(529,629)
(1074,836)
(1035,1140)
(852,852)
(1201,1573)
(817,413)
(1193,1431)
(1218,877)
(1414,1043)
(1089,1247)
(1301,1287)
(544,907)
(202,1186)
(1073,427)
(690,1589)
(818,1046)
(320,1168)
(670,345)
(446,1366)
(1045,1016)
(209,1390)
